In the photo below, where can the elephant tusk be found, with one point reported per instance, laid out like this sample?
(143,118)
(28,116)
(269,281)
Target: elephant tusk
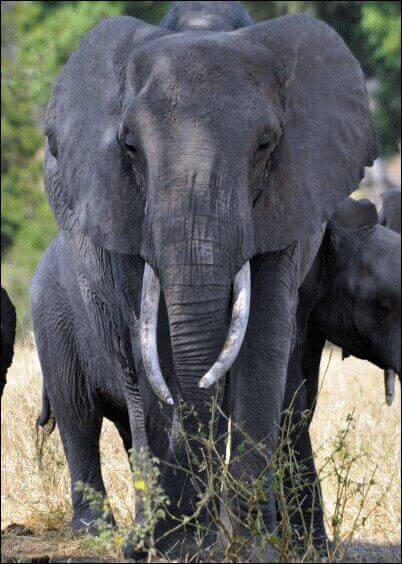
(237,329)
(149,323)
(389,381)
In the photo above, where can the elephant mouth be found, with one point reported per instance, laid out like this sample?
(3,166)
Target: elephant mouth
(149,323)
(389,383)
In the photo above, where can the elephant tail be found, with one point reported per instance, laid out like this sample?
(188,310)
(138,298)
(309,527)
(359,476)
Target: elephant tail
(46,418)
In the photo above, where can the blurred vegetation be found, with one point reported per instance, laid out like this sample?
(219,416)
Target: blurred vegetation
(37,38)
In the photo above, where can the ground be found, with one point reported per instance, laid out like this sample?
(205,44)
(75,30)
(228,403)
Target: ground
(35,484)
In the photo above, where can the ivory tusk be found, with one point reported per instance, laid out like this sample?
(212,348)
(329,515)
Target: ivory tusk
(389,381)
(237,328)
(149,323)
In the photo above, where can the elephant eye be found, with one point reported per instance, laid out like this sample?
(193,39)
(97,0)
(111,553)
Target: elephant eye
(263,146)
(386,305)
(130,148)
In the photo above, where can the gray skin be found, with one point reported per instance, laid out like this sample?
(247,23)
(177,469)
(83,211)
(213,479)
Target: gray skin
(390,213)
(196,150)
(8,324)
(351,297)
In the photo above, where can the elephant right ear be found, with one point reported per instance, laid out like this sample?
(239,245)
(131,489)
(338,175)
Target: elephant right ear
(90,186)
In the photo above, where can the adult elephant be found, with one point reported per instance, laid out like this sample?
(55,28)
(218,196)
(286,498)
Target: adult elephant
(185,163)
(352,298)
(8,324)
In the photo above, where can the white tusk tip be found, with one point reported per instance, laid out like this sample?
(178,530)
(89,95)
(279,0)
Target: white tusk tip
(205,383)
(170,401)
(389,380)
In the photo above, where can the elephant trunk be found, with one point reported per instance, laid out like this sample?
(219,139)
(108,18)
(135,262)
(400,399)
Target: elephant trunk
(198,323)
(196,240)
(196,244)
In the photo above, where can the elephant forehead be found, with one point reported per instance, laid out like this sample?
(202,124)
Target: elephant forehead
(193,61)
(378,267)
(386,271)
(202,89)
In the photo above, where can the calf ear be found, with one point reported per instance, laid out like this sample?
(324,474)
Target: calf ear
(89,182)
(390,213)
(328,136)
(353,214)
(346,230)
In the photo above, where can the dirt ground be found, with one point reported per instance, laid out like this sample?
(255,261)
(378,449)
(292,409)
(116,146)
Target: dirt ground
(60,546)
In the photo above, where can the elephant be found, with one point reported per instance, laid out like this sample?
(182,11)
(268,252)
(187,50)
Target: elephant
(8,325)
(390,213)
(352,298)
(191,167)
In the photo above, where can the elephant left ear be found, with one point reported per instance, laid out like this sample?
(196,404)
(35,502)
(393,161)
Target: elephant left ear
(354,214)
(351,215)
(328,136)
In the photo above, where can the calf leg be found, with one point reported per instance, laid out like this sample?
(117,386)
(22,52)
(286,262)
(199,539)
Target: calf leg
(71,399)
(301,478)
(81,445)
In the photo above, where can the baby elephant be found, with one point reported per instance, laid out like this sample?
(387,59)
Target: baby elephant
(351,297)
(8,323)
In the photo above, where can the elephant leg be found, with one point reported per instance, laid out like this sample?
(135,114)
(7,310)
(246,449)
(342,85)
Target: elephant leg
(185,481)
(308,520)
(81,445)
(71,397)
(304,504)
(301,503)
(257,389)
(79,430)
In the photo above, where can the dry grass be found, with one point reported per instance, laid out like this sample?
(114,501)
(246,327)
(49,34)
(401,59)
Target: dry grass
(38,494)
(356,386)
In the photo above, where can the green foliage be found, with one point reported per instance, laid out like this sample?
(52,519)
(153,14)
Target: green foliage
(381,21)
(372,31)
(20,139)
(37,39)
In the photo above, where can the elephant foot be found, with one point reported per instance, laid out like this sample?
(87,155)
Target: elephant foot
(316,548)
(191,545)
(132,554)
(179,548)
(251,550)
(319,550)
(92,522)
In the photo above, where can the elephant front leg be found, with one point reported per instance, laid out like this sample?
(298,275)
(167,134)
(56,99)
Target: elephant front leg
(81,446)
(256,392)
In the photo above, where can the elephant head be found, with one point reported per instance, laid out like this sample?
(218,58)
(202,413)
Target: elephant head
(198,145)
(362,303)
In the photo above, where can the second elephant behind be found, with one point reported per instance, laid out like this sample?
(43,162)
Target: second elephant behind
(351,297)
